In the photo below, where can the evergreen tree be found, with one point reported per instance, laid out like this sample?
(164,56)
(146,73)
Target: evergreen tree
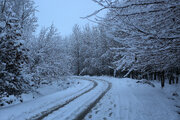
(12,55)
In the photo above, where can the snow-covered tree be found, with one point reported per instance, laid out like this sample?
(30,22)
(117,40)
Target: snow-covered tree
(76,39)
(12,52)
(48,57)
(148,33)
(25,9)
(90,50)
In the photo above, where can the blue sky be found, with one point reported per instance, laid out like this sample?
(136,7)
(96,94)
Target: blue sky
(64,13)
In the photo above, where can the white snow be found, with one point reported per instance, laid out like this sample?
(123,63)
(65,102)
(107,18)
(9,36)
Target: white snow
(70,111)
(55,85)
(128,100)
(2,24)
(31,108)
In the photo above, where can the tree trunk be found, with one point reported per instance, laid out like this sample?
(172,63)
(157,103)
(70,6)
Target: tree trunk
(162,79)
(170,80)
(177,80)
(139,76)
(114,73)
(177,77)
(132,75)
(151,76)
(155,76)
(173,79)
(159,76)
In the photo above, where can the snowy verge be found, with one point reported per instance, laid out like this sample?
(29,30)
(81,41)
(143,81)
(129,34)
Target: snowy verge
(34,107)
(45,88)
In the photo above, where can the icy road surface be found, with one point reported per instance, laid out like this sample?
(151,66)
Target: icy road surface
(99,98)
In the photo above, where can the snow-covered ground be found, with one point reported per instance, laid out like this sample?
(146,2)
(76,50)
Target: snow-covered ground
(55,85)
(30,108)
(126,100)
(76,107)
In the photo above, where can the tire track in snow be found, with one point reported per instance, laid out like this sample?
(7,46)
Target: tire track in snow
(44,114)
(82,115)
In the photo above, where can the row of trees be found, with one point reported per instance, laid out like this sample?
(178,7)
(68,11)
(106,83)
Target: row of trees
(90,51)
(136,38)
(27,60)
(148,33)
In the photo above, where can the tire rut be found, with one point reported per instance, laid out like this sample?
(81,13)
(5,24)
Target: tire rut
(44,114)
(82,115)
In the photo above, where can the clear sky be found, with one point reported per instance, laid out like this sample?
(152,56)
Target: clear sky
(64,13)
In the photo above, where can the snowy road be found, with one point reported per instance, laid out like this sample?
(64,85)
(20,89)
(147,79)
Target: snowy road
(78,108)
(128,100)
(73,103)
(98,98)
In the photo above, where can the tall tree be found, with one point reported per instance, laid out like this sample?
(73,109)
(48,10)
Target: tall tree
(148,33)
(12,52)
(77,39)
